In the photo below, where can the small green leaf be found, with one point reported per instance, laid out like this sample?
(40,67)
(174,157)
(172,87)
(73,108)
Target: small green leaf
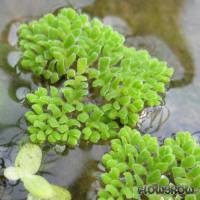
(106,178)
(164,181)
(128,178)
(182,181)
(95,137)
(162,166)
(71,73)
(54,77)
(194,172)
(111,189)
(82,65)
(87,133)
(70,59)
(139,169)
(178,172)
(83,117)
(37,108)
(68,108)
(196,182)
(53,122)
(54,91)
(73,122)
(54,109)
(32,98)
(188,162)
(154,177)
(104,64)
(75,133)
(41,136)
(72,141)
(127,192)
(138,180)
(125,100)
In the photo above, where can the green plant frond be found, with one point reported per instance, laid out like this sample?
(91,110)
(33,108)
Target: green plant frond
(106,84)
(132,164)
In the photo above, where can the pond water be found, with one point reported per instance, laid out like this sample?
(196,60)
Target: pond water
(170,30)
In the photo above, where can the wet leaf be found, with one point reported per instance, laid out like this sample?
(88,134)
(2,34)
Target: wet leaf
(29,159)
(38,187)
(12,173)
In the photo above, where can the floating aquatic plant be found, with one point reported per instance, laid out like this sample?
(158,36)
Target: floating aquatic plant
(27,164)
(55,45)
(59,117)
(135,161)
(105,87)
(107,84)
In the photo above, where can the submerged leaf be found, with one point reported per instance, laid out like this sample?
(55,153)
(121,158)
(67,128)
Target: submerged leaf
(12,173)
(29,159)
(61,193)
(38,187)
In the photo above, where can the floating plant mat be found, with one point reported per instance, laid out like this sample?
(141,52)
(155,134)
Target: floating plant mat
(94,89)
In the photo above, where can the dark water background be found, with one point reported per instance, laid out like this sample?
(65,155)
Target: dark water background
(169,29)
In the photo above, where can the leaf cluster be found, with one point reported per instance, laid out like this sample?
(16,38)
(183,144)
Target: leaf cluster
(52,45)
(135,161)
(60,117)
(107,84)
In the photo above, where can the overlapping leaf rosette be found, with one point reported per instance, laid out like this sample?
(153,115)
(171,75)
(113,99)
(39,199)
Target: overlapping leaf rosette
(106,84)
(136,161)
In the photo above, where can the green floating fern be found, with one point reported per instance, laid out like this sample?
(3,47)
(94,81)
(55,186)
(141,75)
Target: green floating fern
(135,161)
(59,117)
(54,45)
(107,84)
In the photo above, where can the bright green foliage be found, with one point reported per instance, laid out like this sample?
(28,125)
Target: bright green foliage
(106,82)
(60,117)
(50,118)
(27,163)
(54,45)
(136,160)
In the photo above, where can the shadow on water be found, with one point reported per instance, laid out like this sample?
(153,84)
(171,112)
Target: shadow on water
(153,17)
(9,56)
(85,182)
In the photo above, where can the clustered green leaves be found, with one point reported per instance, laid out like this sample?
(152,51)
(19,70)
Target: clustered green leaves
(49,121)
(135,160)
(107,84)
(60,117)
(66,44)
(27,164)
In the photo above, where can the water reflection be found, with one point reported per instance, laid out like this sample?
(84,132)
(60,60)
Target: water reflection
(86,182)
(9,57)
(151,119)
